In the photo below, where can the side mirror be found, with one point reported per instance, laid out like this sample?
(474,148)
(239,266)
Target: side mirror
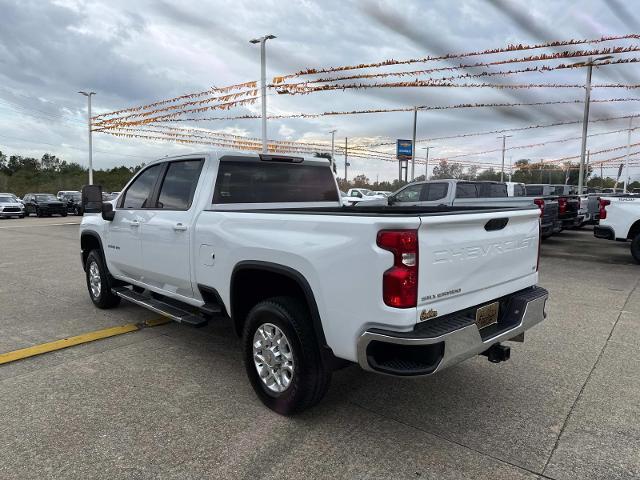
(391,200)
(92,198)
(107,211)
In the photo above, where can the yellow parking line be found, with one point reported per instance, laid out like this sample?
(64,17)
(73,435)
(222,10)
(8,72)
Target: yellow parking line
(78,340)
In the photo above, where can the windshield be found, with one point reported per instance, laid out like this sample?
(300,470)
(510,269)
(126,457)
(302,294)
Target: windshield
(73,196)
(6,200)
(367,192)
(46,198)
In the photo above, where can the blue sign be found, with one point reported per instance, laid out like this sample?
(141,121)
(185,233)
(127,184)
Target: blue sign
(404,148)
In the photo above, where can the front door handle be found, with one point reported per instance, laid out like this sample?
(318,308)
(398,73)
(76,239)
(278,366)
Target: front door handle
(179,227)
(134,223)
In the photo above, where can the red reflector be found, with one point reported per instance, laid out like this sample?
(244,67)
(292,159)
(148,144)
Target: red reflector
(400,282)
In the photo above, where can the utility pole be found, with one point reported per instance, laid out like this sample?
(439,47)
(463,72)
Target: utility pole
(333,138)
(586,181)
(626,160)
(601,177)
(585,119)
(346,163)
(413,143)
(263,85)
(88,95)
(426,162)
(504,142)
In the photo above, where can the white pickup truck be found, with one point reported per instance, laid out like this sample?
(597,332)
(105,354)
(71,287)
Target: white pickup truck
(620,220)
(263,240)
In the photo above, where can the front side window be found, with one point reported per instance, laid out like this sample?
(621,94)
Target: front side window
(138,193)
(356,193)
(437,191)
(409,194)
(518,191)
(273,182)
(179,185)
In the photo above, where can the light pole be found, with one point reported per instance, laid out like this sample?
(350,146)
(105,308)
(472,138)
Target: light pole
(88,95)
(333,139)
(426,161)
(504,142)
(346,162)
(413,143)
(585,120)
(263,85)
(626,160)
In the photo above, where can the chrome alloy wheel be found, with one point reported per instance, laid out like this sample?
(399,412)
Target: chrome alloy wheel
(273,357)
(95,282)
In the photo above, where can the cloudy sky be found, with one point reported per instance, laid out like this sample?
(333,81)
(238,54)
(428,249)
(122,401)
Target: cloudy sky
(132,53)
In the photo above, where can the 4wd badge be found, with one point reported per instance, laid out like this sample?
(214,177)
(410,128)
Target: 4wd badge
(427,314)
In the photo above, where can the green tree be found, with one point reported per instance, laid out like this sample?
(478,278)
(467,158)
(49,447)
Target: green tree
(445,169)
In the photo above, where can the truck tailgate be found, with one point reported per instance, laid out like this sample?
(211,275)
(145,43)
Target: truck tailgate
(471,258)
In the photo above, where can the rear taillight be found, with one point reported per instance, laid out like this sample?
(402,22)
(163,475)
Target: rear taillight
(562,205)
(603,208)
(540,203)
(400,282)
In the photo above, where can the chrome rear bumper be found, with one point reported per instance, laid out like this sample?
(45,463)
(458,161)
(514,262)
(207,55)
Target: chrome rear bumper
(434,346)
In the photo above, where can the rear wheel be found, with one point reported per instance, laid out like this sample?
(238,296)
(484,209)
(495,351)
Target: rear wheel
(98,282)
(64,214)
(38,212)
(635,248)
(282,356)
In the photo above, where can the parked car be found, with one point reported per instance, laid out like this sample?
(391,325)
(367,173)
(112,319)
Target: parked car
(43,204)
(264,240)
(589,209)
(620,220)
(9,207)
(73,201)
(358,195)
(13,196)
(465,193)
(62,193)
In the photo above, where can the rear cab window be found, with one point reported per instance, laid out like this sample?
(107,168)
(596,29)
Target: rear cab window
(466,190)
(493,190)
(250,180)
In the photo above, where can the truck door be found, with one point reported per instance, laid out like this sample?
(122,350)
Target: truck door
(166,235)
(123,250)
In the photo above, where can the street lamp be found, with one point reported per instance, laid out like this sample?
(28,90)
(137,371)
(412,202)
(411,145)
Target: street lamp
(88,95)
(263,85)
(333,138)
(585,120)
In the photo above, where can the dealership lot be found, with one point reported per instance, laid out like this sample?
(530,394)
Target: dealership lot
(174,402)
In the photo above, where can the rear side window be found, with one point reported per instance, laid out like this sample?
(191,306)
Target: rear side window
(271,182)
(179,185)
(138,193)
(533,190)
(466,190)
(436,191)
(493,190)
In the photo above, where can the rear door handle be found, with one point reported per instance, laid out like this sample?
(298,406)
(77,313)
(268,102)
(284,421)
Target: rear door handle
(179,227)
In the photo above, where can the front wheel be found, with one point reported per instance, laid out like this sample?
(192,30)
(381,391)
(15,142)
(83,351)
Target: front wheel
(64,214)
(98,282)
(635,248)
(282,356)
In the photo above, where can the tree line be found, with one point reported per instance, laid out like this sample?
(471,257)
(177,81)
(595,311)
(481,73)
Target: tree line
(524,171)
(50,174)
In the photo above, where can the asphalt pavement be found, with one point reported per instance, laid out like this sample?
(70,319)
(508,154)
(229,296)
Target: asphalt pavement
(173,402)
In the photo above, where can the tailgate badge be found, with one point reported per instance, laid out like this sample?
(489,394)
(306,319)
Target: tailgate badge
(427,314)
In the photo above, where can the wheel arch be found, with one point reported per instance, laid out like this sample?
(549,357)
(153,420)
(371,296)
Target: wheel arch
(90,240)
(634,230)
(273,280)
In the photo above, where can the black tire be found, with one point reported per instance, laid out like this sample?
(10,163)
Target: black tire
(635,248)
(104,298)
(64,214)
(38,212)
(311,377)
(20,216)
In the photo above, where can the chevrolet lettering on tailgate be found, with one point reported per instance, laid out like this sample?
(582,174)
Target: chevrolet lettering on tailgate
(478,251)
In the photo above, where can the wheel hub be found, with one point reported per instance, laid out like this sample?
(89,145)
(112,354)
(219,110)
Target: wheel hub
(273,357)
(95,284)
